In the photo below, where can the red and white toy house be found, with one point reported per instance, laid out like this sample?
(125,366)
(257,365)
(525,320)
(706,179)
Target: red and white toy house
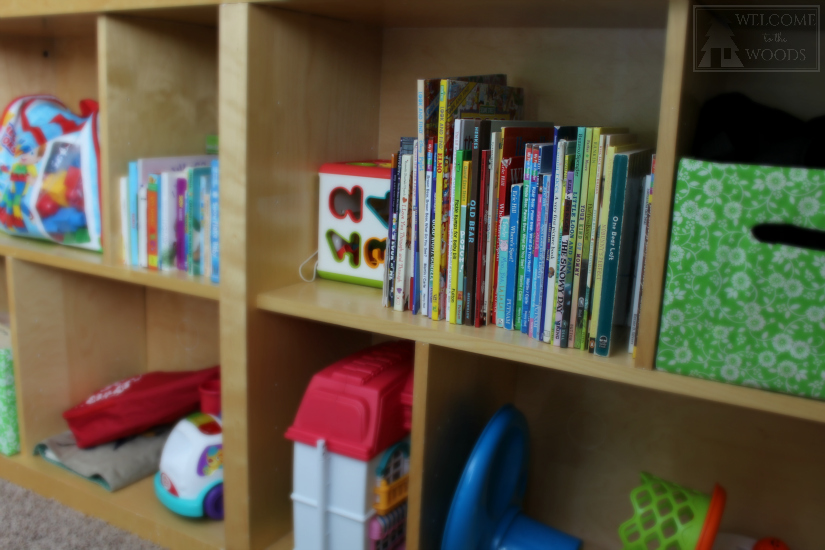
(351,454)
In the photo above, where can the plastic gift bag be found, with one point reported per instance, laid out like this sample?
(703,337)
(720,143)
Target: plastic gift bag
(744,298)
(49,171)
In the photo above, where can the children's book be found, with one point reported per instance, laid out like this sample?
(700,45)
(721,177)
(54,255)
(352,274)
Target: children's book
(144,167)
(571,245)
(563,136)
(604,215)
(198,178)
(180,222)
(481,141)
(391,250)
(638,279)
(426,274)
(501,289)
(142,201)
(491,230)
(580,227)
(625,197)
(527,201)
(454,234)
(123,189)
(544,181)
(400,301)
(415,287)
(215,230)
(134,241)
(564,242)
(512,148)
(428,99)
(482,234)
(152,222)
(206,215)
(462,242)
(458,100)
(512,256)
(600,135)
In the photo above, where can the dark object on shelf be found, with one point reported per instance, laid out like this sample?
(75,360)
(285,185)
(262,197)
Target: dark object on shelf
(735,129)
(790,235)
(486,510)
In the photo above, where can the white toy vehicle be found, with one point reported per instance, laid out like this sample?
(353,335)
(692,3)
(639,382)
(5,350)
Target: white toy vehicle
(190,480)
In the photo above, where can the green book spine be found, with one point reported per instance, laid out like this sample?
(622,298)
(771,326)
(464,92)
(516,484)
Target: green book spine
(611,261)
(577,264)
(586,243)
(571,243)
(455,227)
(462,242)
(522,249)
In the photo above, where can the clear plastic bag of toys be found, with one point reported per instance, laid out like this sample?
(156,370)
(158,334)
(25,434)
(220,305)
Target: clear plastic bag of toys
(50,171)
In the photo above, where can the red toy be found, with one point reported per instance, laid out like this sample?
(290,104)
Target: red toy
(770,543)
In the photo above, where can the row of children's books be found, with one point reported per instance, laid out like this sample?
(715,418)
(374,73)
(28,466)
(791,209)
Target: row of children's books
(527,225)
(170,215)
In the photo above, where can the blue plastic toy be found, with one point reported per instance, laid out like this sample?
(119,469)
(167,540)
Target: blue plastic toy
(486,510)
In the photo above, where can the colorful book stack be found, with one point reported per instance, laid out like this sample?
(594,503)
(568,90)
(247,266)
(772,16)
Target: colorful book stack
(169,215)
(526,225)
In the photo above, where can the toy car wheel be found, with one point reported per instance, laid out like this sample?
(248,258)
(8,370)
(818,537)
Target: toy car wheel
(213,502)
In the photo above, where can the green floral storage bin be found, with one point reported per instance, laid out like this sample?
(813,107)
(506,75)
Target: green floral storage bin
(9,434)
(735,309)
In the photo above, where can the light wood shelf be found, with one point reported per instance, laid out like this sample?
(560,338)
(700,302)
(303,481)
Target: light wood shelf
(91,263)
(290,85)
(134,508)
(360,308)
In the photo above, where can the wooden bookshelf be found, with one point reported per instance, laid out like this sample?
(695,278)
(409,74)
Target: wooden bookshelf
(288,86)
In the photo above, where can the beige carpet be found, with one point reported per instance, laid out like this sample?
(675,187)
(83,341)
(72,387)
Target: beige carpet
(31,522)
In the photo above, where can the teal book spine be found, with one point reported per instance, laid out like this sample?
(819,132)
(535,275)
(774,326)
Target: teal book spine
(512,256)
(504,247)
(529,238)
(611,261)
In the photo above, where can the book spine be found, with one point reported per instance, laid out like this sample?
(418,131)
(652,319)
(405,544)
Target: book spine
(559,187)
(180,223)
(583,236)
(206,225)
(426,234)
(496,215)
(648,212)
(143,226)
(134,241)
(528,223)
(491,226)
(442,209)
(594,231)
(564,246)
(503,209)
(415,280)
(434,245)
(540,254)
(473,225)
(455,227)
(399,302)
(569,331)
(193,250)
(601,243)
(501,288)
(215,229)
(152,223)
(392,230)
(483,232)
(611,262)
(123,189)
(187,215)
(639,268)
(462,242)
(512,256)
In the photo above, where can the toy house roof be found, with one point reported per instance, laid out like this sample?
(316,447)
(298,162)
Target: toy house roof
(356,405)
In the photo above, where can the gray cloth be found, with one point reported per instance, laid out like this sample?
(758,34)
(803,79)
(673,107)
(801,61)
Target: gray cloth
(112,465)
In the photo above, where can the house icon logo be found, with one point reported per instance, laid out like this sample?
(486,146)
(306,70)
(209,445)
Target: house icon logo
(720,49)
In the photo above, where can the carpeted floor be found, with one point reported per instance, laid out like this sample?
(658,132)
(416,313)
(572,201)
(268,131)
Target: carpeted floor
(31,522)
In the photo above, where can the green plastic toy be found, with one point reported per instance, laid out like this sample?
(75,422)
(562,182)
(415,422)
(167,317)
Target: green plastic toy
(674,517)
